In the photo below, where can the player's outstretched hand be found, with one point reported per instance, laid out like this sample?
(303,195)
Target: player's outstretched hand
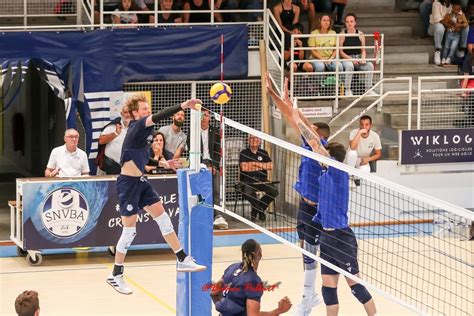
(284,305)
(194,104)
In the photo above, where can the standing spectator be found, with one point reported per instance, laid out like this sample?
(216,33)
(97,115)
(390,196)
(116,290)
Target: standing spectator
(324,59)
(355,53)
(27,304)
(337,9)
(454,22)
(298,53)
(168,17)
(67,160)
(112,137)
(125,18)
(364,145)
(286,15)
(254,163)
(174,136)
(210,156)
(201,5)
(160,160)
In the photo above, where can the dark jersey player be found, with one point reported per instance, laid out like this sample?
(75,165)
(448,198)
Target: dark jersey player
(135,192)
(338,242)
(240,290)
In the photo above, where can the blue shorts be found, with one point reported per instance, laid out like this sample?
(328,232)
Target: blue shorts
(305,227)
(134,193)
(339,247)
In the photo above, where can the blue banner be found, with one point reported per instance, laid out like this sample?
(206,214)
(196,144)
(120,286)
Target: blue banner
(84,213)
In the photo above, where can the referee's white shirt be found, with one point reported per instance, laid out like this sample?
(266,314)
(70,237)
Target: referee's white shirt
(70,164)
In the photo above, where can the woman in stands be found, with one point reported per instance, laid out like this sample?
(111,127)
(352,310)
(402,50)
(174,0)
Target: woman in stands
(161,160)
(354,53)
(125,18)
(286,14)
(239,291)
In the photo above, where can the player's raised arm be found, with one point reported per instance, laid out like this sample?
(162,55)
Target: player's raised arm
(309,135)
(169,111)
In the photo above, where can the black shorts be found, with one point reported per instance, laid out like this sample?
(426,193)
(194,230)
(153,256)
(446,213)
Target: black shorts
(305,227)
(339,247)
(134,193)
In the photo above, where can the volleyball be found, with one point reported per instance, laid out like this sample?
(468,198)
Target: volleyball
(220,93)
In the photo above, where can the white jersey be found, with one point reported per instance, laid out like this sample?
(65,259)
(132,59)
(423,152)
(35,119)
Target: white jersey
(366,145)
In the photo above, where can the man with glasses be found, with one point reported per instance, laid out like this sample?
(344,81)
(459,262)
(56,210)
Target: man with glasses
(67,160)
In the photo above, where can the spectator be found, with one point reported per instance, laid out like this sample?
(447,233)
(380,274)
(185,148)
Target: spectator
(324,59)
(286,15)
(251,5)
(307,6)
(322,6)
(67,160)
(167,17)
(468,97)
(425,12)
(195,5)
(254,163)
(27,304)
(298,53)
(454,22)
(364,145)
(174,136)
(145,5)
(124,18)
(210,156)
(112,137)
(354,53)
(337,9)
(161,160)
(243,277)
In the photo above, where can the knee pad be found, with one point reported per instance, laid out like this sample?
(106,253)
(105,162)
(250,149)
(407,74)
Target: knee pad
(126,239)
(330,295)
(309,263)
(164,222)
(361,293)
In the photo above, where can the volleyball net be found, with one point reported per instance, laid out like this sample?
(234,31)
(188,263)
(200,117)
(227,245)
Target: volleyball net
(412,248)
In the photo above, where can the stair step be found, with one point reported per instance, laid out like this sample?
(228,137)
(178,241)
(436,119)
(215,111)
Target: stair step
(376,4)
(414,58)
(401,70)
(390,30)
(428,48)
(403,86)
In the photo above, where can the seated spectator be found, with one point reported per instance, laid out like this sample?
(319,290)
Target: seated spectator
(67,160)
(201,5)
(322,6)
(112,138)
(324,59)
(354,53)
(27,304)
(307,7)
(251,5)
(174,136)
(425,12)
(454,22)
(364,145)
(161,160)
(168,17)
(254,164)
(145,5)
(298,53)
(125,18)
(337,8)
(286,14)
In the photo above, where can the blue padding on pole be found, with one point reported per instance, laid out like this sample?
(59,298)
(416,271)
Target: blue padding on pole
(197,224)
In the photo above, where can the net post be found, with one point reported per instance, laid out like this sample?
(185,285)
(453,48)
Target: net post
(195,150)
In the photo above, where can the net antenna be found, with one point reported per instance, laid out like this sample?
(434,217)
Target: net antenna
(411,246)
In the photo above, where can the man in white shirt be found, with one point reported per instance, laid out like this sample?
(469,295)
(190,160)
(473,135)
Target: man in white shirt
(112,137)
(67,160)
(174,135)
(364,145)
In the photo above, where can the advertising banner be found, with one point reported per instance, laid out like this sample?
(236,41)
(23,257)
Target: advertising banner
(85,213)
(436,146)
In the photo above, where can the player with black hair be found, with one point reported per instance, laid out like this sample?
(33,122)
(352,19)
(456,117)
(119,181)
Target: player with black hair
(135,192)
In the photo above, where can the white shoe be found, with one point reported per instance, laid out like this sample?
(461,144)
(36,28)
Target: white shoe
(372,93)
(221,223)
(437,58)
(349,93)
(304,308)
(119,284)
(189,265)
(448,61)
(443,61)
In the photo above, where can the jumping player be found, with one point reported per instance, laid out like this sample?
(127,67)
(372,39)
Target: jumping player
(134,192)
(308,188)
(240,290)
(338,242)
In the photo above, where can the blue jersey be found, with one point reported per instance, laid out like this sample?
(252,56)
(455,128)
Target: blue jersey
(333,203)
(137,143)
(241,286)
